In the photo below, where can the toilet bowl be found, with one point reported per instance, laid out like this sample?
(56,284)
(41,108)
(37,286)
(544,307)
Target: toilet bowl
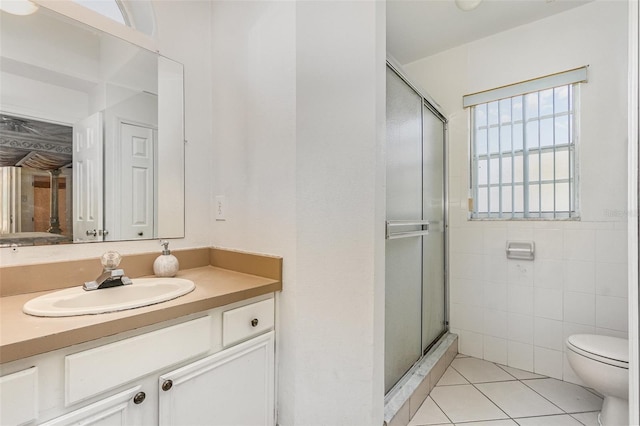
(602,363)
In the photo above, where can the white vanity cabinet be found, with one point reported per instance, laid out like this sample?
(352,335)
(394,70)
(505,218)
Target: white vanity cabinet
(234,387)
(183,372)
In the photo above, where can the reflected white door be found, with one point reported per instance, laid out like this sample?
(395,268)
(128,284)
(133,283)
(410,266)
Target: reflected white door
(137,197)
(88,215)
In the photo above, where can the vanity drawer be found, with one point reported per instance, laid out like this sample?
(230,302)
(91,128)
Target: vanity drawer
(248,321)
(91,372)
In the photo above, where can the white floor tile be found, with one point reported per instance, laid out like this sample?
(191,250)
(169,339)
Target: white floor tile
(517,400)
(464,403)
(571,398)
(451,377)
(587,419)
(497,395)
(520,374)
(561,420)
(480,371)
(428,414)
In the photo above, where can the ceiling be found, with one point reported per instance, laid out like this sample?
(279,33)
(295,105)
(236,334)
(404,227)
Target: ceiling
(34,144)
(420,28)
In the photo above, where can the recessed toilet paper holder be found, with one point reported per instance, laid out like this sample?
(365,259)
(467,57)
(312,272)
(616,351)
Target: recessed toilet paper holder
(521,250)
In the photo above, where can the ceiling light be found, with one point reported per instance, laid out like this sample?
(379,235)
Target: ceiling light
(18,7)
(467,5)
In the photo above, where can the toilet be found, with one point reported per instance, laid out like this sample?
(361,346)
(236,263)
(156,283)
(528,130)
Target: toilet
(602,363)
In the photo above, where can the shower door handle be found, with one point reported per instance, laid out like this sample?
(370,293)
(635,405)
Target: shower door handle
(392,234)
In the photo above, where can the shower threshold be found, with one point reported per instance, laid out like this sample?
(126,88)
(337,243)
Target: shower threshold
(404,399)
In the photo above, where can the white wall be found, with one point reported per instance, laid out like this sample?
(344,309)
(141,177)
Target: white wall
(515,312)
(183,35)
(298,112)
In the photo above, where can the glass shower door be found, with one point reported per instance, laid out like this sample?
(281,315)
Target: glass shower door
(403,293)
(414,281)
(433,244)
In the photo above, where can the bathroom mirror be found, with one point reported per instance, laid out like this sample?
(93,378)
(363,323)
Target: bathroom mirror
(91,135)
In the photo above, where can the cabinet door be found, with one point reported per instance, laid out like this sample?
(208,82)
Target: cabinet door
(234,387)
(119,409)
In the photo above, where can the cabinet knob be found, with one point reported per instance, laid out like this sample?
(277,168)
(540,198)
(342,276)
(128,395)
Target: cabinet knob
(254,322)
(168,384)
(139,397)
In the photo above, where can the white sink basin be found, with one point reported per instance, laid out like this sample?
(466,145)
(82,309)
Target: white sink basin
(77,301)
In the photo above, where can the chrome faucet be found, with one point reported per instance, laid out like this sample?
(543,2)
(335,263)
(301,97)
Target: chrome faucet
(111,276)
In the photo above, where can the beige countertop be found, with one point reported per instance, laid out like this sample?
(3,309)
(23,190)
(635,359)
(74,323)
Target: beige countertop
(23,335)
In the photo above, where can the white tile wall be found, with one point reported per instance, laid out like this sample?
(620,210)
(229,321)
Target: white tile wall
(611,279)
(495,323)
(473,343)
(495,349)
(549,273)
(549,243)
(611,246)
(580,276)
(548,334)
(520,299)
(520,355)
(548,362)
(579,244)
(495,296)
(520,272)
(548,303)
(580,308)
(520,328)
(612,313)
(495,270)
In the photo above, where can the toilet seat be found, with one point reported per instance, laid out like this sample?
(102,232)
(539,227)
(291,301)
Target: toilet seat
(608,350)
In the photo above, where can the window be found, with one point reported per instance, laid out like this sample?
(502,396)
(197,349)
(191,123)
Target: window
(523,148)
(109,8)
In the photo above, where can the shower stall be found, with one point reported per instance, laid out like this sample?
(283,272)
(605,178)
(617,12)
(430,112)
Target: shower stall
(415,281)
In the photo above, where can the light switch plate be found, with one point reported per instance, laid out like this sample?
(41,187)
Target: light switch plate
(220,207)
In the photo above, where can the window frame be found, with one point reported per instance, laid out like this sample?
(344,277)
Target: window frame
(571,147)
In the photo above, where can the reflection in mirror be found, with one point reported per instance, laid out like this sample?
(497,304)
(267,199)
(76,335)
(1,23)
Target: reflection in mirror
(99,119)
(35,181)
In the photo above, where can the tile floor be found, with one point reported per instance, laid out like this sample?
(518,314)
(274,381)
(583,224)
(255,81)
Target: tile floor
(477,392)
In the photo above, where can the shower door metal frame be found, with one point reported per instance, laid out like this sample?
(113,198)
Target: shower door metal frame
(429,103)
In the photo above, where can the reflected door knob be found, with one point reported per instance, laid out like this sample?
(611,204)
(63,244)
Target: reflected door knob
(93,233)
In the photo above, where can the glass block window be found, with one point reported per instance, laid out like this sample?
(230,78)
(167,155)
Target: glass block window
(523,151)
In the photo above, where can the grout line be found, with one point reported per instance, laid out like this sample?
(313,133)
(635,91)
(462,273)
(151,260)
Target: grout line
(440,408)
(555,405)
(492,401)
(500,367)
(582,412)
